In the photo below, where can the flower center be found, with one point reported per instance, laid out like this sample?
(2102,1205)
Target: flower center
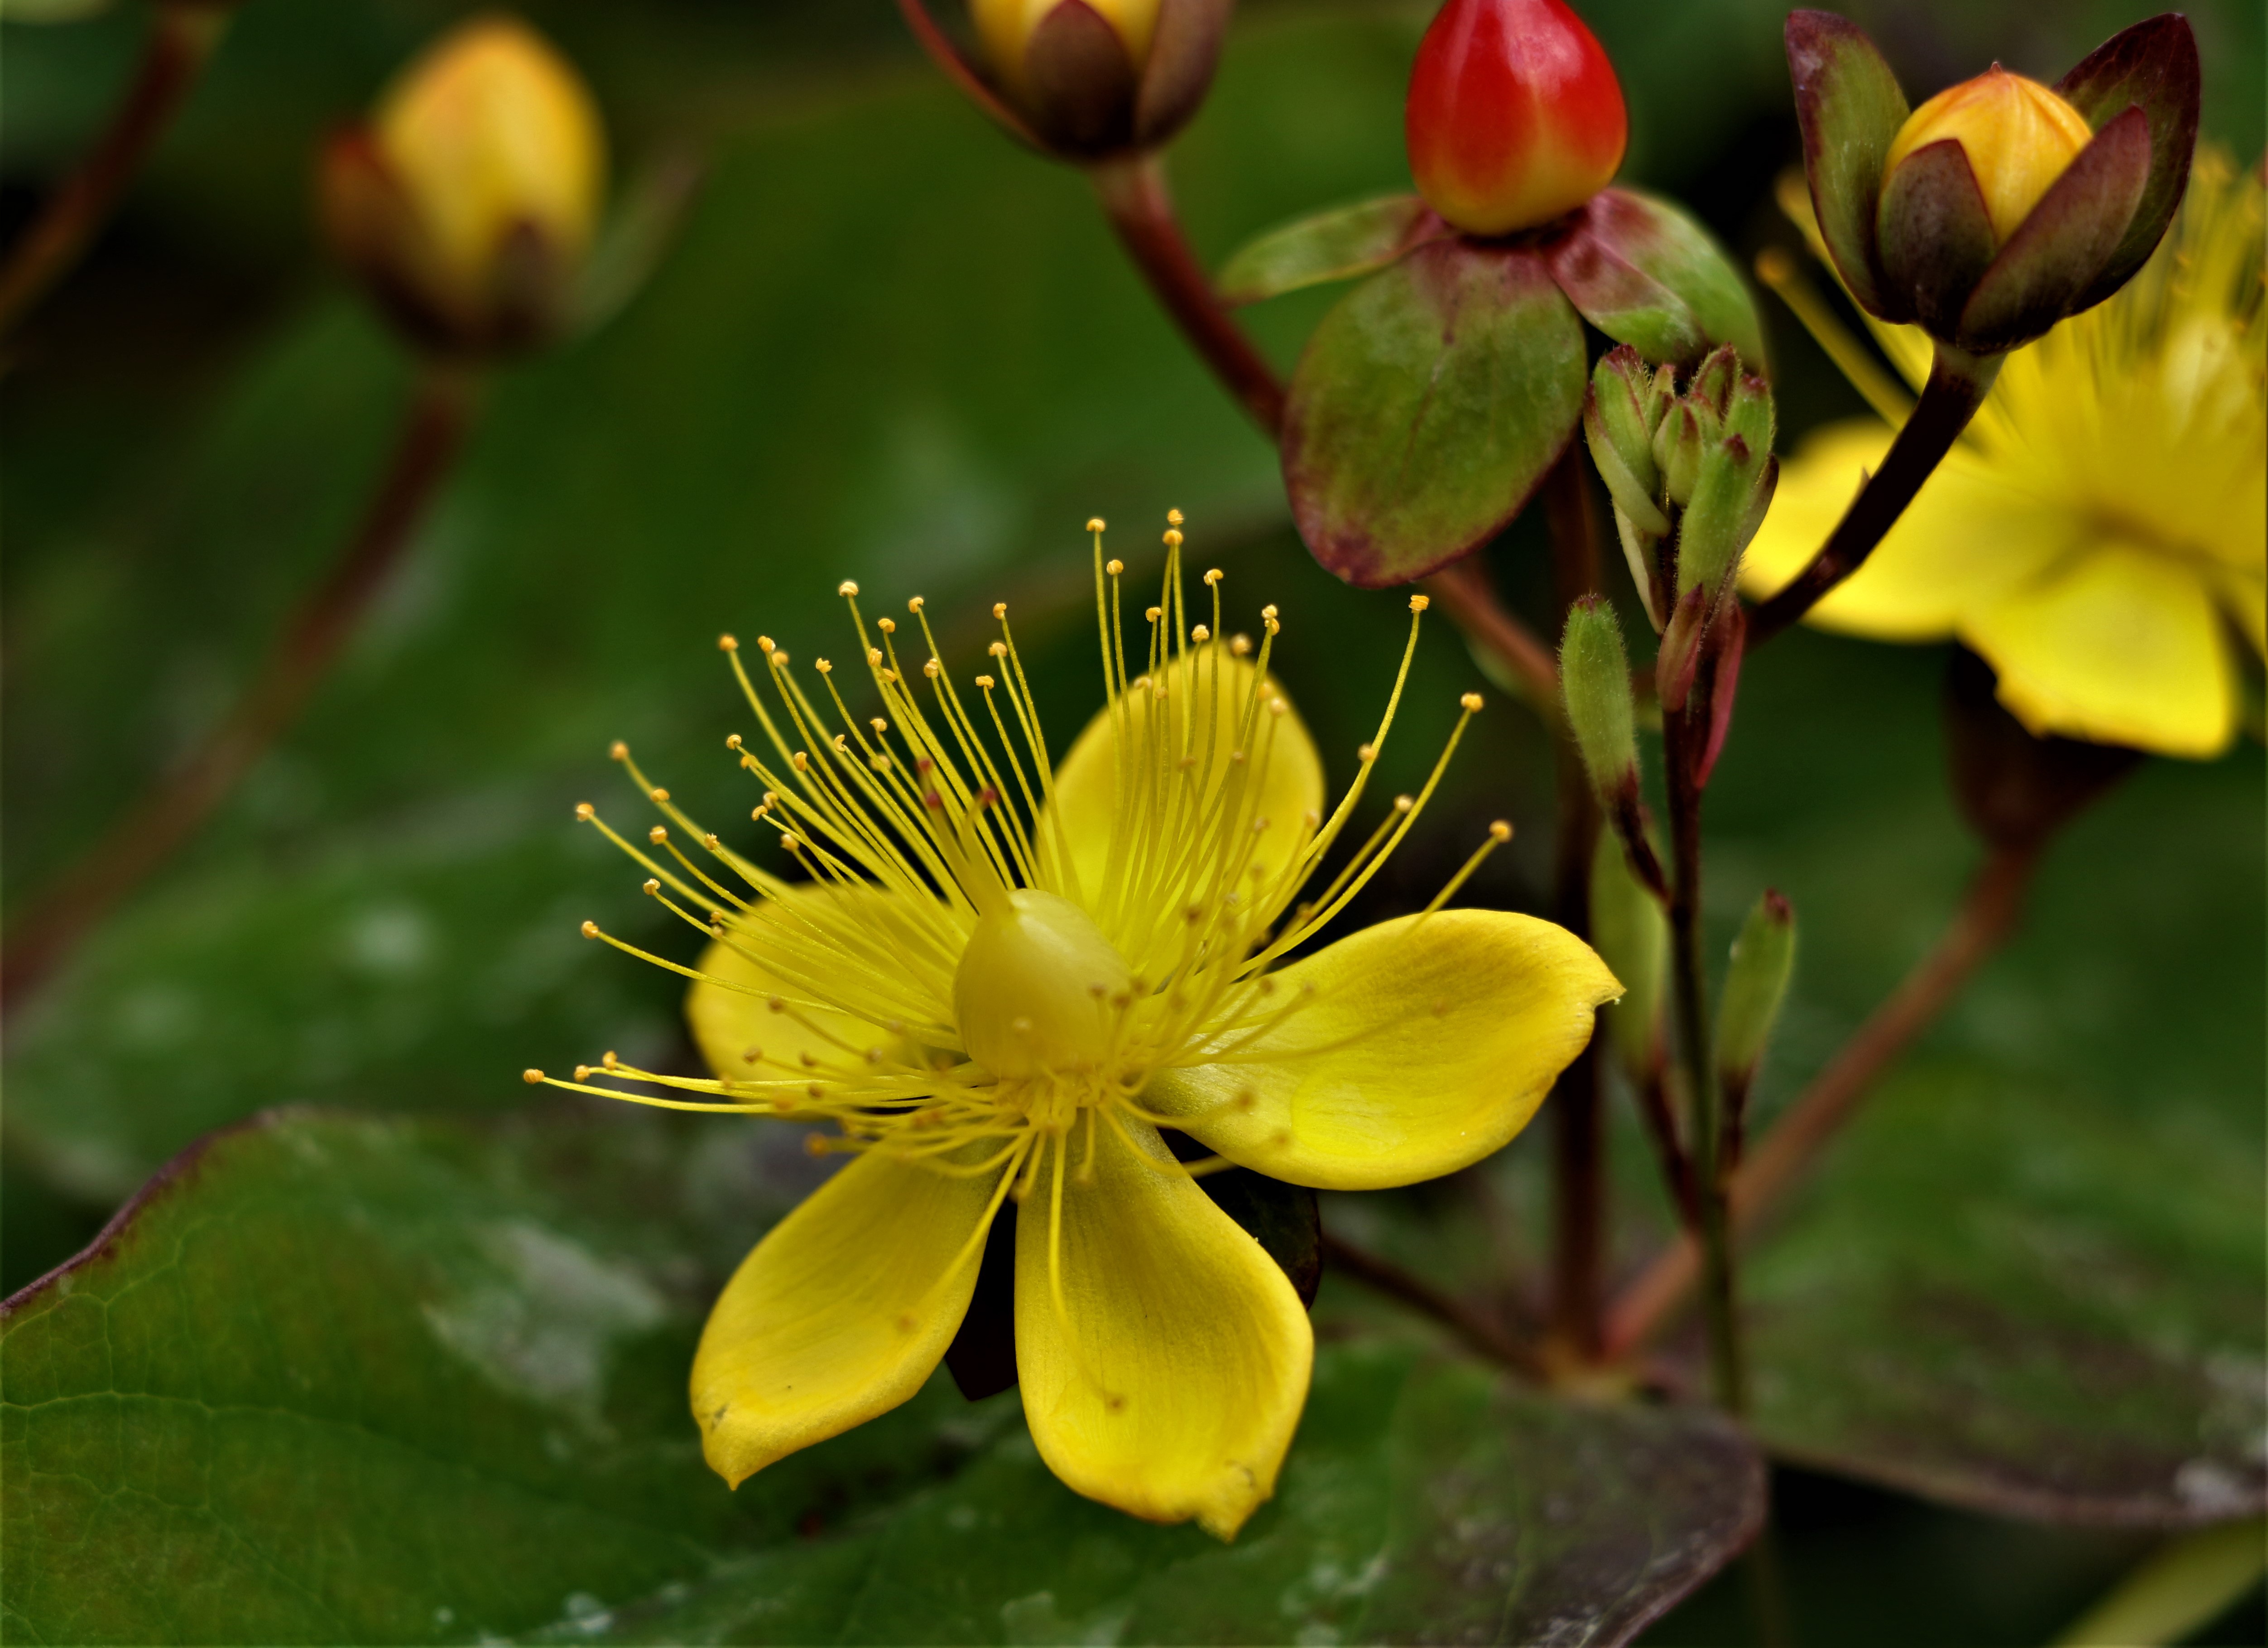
(1039,990)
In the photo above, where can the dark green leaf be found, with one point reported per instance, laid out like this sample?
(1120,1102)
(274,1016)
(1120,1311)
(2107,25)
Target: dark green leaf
(1645,274)
(2151,66)
(1427,407)
(1850,107)
(1336,245)
(340,1380)
(2058,250)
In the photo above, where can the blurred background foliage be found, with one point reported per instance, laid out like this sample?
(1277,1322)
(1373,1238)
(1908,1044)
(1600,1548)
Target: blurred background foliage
(890,347)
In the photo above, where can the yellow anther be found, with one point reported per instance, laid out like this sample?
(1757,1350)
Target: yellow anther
(1173,538)
(1499,831)
(890,677)
(590,929)
(651,888)
(763,643)
(1094,523)
(657,835)
(1403,803)
(1213,575)
(842,744)
(932,670)
(586,811)
(1277,706)
(711,841)
(1114,567)
(618,751)
(727,644)
(531,1075)
(999,649)
(999,609)
(1418,603)
(1471,702)
(878,724)
(888,626)
(985,682)
(779,657)
(873,656)
(823,666)
(801,761)
(1152,613)
(1200,633)
(1269,612)
(732,741)
(582,1072)
(789,840)
(1241,646)
(1174,517)
(846,588)
(609,1058)
(915,605)
(660,794)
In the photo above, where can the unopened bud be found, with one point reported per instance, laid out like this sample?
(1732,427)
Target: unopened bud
(1755,986)
(1595,684)
(1677,446)
(1631,935)
(1514,117)
(1097,78)
(469,201)
(1620,438)
(2017,135)
(1713,381)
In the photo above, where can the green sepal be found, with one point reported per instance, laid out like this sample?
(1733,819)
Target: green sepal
(1709,540)
(1677,447)
(1850,107)
(1712,382)
(1647,275)
(1755,983)
(2151,66)
(1621,436)
(2063,246)
(1631,935)
(1427,408)
(1341,244)
(1935,234)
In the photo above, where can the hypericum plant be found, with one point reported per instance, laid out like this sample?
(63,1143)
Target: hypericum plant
(997,979)
(1997,209)
(1428,406)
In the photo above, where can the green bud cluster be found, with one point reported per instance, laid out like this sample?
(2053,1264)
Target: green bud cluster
(1693,472)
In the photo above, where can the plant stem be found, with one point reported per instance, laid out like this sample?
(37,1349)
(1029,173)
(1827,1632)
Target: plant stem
(167,815)
(1478,1330)
(1135,199)
(1579,1138)
(1957,386)
(1683,735)
(182,35)
(1986,917)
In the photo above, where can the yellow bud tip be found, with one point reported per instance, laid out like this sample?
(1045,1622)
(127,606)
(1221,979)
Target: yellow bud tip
(727,644)
(1114,567)
(1418,603)
(1471,702)
(657,835)
(590,929)
(847,587)
(2018,137)
(618,751)
(585,811)
(1094,523)
(1499,831)
(531,1075)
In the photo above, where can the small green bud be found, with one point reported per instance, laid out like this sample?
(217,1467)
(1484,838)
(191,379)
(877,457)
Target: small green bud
(1755,987)
(1622,446)
(1631,935)
(1714,379)
(1595,684)
(1709,534)
(1677,446)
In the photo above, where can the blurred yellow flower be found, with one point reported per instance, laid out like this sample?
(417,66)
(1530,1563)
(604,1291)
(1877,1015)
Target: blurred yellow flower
(1004,977)
(2100,535)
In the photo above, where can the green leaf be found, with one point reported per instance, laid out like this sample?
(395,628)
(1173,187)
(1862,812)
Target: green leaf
(1646,274)
(1427,407)
(1336,245)
(1850,107)
(340,1379)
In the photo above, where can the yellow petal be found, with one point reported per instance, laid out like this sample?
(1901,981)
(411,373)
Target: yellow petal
(1968,538)
(1220,685)
(1428,1043)
(1164,1356)
(841,1313)
(2120,646)
(729,1018)
(2245,593)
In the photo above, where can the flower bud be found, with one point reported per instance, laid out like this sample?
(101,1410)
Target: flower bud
(1731,488)
(1619,429)
(1093,78)
(1755,986)
(470,202)
(1595,684)
(1514,115)
(1677,446)
(2018,137)
(1631,935)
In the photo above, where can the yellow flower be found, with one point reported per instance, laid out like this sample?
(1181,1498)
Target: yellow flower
(1003,976)
(2100,535)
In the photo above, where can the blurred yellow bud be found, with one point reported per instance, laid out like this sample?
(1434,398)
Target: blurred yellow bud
(469,201)
(1007,28)
(1090,78)
(2017,134)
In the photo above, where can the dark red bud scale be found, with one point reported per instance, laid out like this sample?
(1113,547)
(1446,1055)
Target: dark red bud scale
(1515,117)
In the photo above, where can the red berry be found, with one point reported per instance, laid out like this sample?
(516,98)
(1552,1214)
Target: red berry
(1515,114)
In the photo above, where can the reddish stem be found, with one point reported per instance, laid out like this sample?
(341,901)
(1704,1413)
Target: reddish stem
(169,814)
(1462,590)
(1792,1148)
(1477,1329)
(182,36)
